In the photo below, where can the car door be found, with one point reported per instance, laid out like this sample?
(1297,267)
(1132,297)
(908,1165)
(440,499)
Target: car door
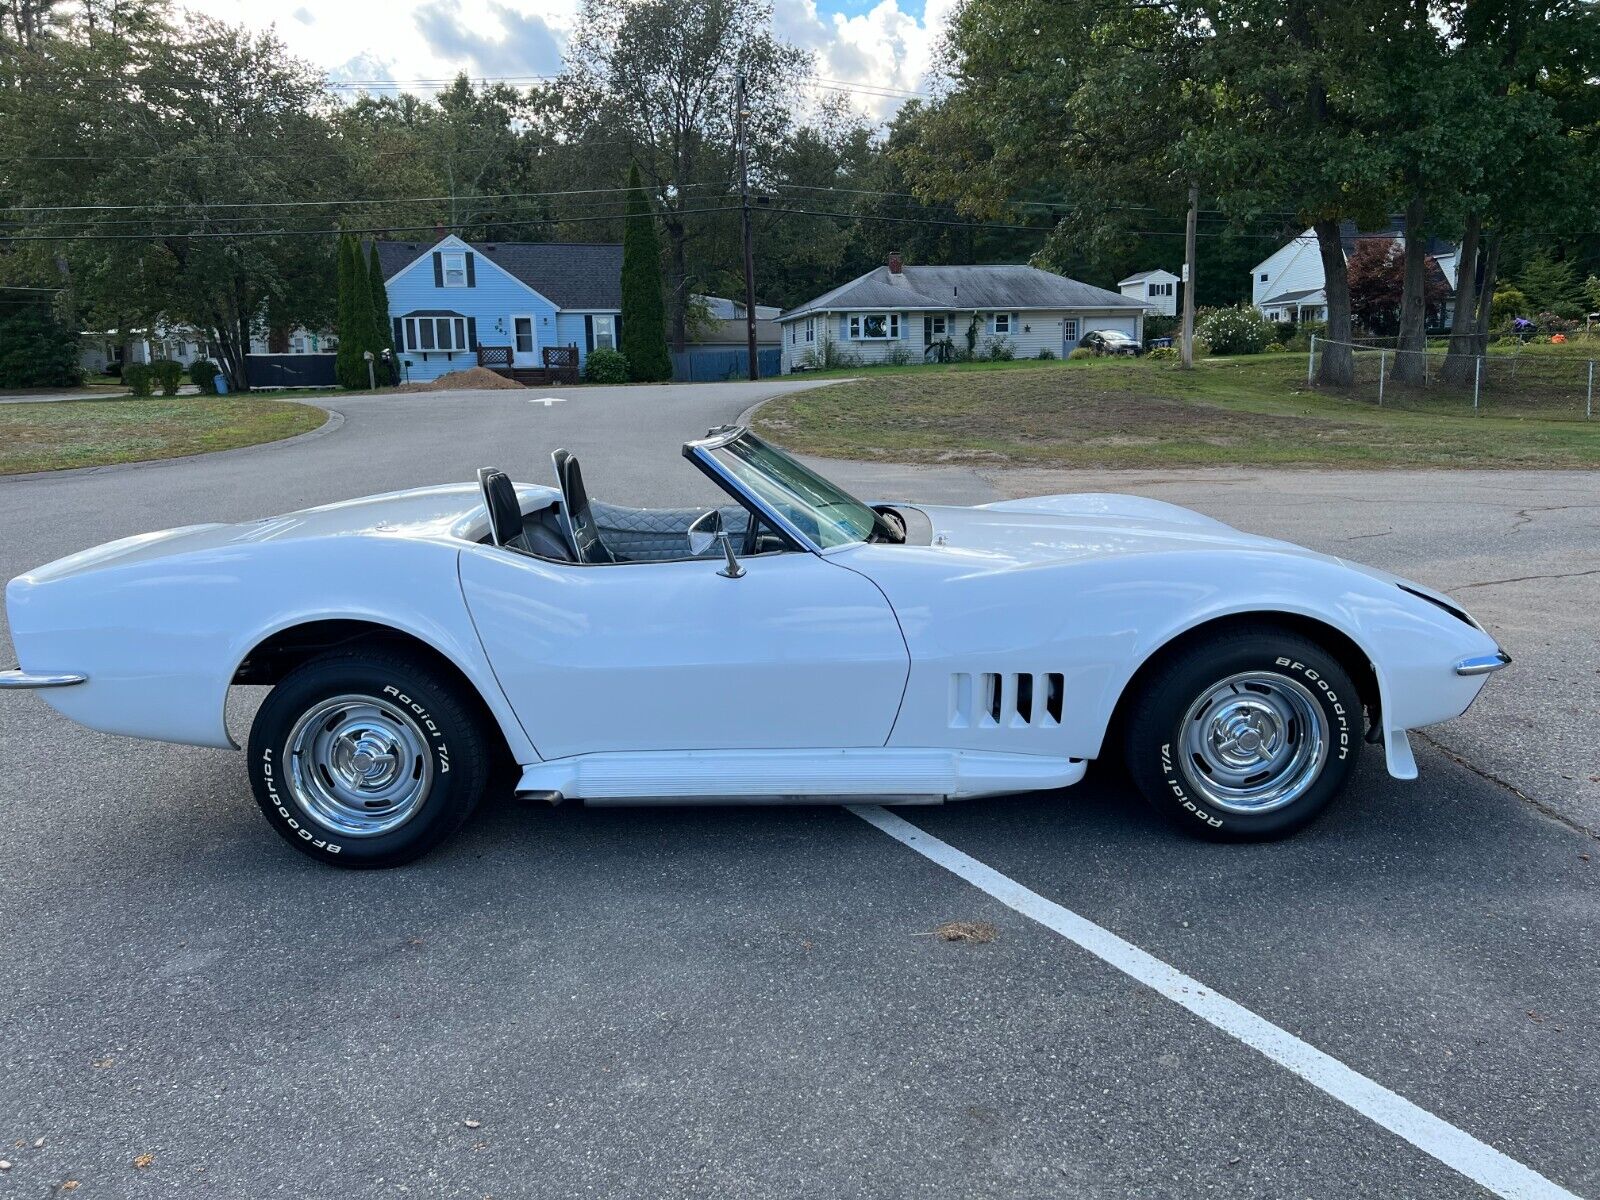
(795,653)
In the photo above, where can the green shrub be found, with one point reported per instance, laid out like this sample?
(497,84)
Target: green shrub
(1276,348)
(1162,354)
(1000,350)
(1202,348)
(1240,330)
(606,366)
(204,373)
(1045,354)
(1158,326)
(1081,352)
(1282,331)
(36,349)
(167,375)
(140,378)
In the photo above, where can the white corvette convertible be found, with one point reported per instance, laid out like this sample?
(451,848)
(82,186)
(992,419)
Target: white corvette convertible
(796,644)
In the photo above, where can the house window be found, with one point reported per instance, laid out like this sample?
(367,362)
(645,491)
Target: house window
(1160,289)
(1069,329)
(936,326)
(791,335)
(1265,277)
(435,333)
(605,332)
(1002,322)
(875,327)
(455,268)
(811,329)
(523,332)
(297,345)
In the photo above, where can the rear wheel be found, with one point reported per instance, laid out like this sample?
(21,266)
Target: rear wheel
(1246,737)
(367,760)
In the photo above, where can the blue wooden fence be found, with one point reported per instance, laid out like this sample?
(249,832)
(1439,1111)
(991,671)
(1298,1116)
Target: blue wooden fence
(712,364)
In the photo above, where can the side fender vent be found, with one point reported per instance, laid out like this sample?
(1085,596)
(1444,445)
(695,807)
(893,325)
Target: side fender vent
(992,700)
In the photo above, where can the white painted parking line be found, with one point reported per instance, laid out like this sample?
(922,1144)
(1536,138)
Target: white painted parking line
(1455,1148)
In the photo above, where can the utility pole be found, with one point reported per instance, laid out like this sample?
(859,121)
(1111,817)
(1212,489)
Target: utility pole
(744,216)
(1188,277)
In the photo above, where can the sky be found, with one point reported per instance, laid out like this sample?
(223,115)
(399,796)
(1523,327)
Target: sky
(872,45)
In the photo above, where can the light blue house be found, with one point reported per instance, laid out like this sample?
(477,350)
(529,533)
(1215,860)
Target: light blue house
(449,299)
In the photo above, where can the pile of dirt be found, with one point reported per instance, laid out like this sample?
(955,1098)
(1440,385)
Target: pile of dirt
(473,379)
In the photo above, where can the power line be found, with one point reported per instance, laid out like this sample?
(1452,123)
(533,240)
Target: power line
(206,205)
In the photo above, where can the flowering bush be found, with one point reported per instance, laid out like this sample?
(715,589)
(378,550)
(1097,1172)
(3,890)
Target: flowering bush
(1240,330)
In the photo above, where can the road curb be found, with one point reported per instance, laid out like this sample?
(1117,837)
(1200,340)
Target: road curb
(331,425)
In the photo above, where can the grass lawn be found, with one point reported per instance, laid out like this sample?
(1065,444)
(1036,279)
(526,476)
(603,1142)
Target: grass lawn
(1253,411)
(90,433)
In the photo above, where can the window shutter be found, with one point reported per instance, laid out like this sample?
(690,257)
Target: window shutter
(472,273)
(588,332)
(438,269)
(472,322)
(399,335)
(616,329)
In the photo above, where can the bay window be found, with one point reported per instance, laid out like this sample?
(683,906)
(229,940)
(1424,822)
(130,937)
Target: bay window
(436,333)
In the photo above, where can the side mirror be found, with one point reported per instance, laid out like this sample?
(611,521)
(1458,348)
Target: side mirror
(706,532)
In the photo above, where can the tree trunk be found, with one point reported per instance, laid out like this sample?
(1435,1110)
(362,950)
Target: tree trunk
(678,290)
(1458,365)
(1491,268)
(1338,368)
(1410,360)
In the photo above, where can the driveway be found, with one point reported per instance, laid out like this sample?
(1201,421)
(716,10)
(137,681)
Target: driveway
(750,1002)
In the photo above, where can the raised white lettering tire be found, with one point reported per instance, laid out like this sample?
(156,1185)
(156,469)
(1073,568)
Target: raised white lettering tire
(367,759)
(1245,737)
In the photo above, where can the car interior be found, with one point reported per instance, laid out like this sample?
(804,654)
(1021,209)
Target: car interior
(585,531)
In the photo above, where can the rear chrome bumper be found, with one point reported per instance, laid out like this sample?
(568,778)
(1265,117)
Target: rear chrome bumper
(1483,664)
(19,680)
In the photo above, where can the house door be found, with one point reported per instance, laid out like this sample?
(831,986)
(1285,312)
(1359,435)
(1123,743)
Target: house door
(524,346)
(1069,335)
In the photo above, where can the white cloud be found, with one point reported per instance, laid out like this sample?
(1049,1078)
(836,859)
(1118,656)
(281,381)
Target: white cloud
(883,47)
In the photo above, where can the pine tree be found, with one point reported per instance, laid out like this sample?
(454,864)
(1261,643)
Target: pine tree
(361,321)
(1551,286)
(644,315)
(348,366)
(382,327)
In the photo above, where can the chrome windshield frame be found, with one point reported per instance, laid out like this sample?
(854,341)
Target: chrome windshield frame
(699,453)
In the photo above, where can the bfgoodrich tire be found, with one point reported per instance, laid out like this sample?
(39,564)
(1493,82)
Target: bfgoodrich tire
(1245,737)
(367,759)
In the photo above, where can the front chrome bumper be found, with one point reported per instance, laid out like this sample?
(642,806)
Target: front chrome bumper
(1483,664)
(18,680)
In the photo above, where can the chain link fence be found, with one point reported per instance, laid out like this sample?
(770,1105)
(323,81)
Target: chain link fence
(1553,383)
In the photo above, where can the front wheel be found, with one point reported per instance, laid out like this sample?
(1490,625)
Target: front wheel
(367,759)
(1246,737)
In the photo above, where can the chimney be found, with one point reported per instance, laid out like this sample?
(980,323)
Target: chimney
(896,263)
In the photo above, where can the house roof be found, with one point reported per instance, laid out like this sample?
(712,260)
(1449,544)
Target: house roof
(1141,276)
(724,309)
(1351,235)
(953,289)
(569,274)
(1291,297)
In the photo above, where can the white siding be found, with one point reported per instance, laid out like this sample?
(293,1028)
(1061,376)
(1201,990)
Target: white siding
(1294,267)
(1033,331)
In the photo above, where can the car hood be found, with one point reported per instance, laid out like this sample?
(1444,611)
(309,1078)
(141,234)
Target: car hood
(445,511)
(1090,525)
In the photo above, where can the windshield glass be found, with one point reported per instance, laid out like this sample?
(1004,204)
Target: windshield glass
(823,511)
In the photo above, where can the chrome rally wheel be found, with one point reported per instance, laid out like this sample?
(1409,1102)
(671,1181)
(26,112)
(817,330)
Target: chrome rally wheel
(1256,742)
(1245,735)
(358,766)
(368,759)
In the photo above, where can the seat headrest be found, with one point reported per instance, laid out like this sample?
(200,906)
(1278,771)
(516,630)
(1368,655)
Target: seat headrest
(505,511)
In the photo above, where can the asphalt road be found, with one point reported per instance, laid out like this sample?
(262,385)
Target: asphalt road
(740,1002)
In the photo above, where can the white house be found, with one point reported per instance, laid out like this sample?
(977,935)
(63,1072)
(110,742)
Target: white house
(896,312)
(1157,288)
(1288,285)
